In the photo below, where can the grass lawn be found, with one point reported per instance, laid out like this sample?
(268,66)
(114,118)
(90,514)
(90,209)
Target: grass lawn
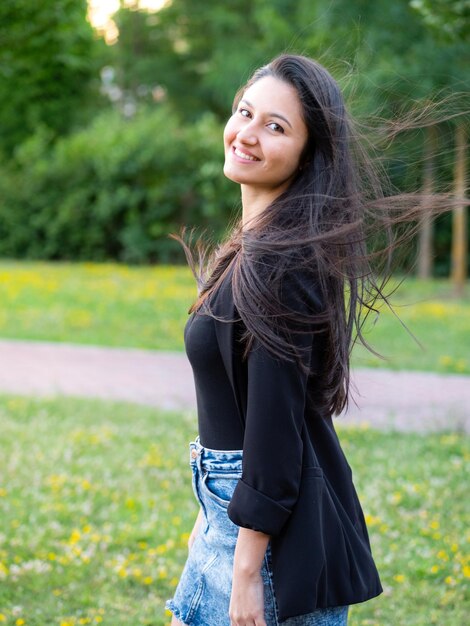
(146,307)
(96,507)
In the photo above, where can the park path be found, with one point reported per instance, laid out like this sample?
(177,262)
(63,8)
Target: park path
(407,401)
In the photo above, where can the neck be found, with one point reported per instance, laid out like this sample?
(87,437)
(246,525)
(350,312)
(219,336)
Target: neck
(255,201)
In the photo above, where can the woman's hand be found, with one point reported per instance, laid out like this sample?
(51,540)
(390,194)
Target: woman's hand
(247,600)
(195,530)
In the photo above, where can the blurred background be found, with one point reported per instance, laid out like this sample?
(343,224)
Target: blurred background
(112,113)
(111,121)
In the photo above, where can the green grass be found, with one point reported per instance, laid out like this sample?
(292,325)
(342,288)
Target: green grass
(146,307)
(96,507)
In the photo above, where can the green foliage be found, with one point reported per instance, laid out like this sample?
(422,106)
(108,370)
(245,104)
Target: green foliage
(47,65)
(201,52)
(449,19)
(115,189)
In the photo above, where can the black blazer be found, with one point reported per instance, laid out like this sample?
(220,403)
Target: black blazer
(296,483)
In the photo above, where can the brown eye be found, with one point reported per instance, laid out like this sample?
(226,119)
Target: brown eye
(277,127)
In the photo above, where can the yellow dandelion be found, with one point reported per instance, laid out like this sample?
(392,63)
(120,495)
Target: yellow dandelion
(434,524)
(86,529)
(75,536)
(3,618)
(3,492)
(435,569)
(174,581)
(449,580)
(436,536)
(466,571)
(445,360)
(98,619)
(442,554)
(20,621)
(399,578)
(372,520)
(397,497)
(148,580)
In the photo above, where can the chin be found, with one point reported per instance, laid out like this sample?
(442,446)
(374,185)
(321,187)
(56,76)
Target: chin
(231,175)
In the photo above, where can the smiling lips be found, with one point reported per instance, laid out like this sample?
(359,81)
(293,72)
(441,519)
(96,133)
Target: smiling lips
(244,155)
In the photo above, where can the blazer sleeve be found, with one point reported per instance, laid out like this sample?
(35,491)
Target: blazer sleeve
(272,449)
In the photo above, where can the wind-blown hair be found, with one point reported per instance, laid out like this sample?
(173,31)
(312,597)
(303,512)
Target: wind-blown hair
(323,225)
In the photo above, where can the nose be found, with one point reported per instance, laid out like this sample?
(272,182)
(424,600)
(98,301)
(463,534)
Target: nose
(247,135)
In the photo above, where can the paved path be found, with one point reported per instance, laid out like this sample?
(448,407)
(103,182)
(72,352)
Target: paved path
(403,400)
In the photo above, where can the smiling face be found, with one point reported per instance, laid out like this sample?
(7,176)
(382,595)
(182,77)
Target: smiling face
(265,136)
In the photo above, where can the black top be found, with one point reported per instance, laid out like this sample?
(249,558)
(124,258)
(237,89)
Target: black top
(219,425)
(296,484)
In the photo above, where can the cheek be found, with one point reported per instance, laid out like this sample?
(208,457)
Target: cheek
(230,132)
(284,158)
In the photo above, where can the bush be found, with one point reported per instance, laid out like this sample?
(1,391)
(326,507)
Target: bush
(114,190)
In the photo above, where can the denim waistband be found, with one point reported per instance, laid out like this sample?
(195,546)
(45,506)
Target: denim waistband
(214,459)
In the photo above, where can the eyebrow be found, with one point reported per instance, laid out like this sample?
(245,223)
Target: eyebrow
(271,114)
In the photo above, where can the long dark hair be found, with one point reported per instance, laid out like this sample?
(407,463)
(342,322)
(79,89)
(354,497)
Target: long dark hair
(338,205)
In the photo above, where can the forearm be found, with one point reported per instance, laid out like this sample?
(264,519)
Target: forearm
(249,551)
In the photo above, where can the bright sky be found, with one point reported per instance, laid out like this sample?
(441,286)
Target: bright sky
(100,14)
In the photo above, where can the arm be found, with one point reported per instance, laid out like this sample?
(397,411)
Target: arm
(272,449)
(272,463)
(247,598)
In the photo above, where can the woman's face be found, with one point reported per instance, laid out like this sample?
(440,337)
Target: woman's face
(265,136)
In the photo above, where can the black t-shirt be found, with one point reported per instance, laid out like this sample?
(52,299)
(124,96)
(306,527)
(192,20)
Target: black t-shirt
(219,424)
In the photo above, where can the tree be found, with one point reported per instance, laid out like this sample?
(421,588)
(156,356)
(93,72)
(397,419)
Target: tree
(48,67)
(459,230)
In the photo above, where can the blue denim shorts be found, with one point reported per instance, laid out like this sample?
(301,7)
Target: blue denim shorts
(202,596)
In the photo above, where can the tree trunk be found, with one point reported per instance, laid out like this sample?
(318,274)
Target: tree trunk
(426,228)
(459,222)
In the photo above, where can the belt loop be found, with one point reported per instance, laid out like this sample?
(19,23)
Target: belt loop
(199,459)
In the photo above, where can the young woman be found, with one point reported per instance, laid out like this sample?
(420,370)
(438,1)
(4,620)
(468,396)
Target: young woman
(280,537)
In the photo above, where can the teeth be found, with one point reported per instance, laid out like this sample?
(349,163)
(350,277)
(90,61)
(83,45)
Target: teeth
(242,155)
